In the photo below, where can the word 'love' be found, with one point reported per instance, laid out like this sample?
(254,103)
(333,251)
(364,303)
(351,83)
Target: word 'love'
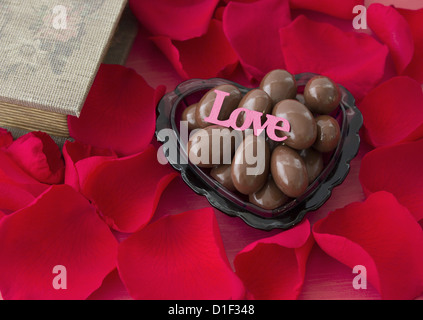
(252,117)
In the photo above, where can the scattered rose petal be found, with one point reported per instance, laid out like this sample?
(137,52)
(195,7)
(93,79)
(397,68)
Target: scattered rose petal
(354,60)
(253,31)
(398,170)
(13,198)
(126,191)
(81,159)
(13,175)
(273,268)
(415,68)
(415,21)
(204,57)
(340,9)
(381,235)
(6,138)
(218,13)
(119,113)
(181,257)
(112,288)
(393,30)
(60,228)
(176,20)
(401,99)
(38,155)
(242,1)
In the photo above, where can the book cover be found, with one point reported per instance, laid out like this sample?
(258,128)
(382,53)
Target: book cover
(50,52)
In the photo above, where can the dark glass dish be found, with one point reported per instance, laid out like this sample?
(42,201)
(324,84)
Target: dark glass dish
(337,164)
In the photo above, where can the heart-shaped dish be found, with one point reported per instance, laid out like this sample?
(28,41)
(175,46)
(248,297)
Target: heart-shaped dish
(336,164)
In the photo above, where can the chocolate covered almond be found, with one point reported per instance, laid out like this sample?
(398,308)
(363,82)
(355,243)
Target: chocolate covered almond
(279,85)
(222,174)
(328,133)
(303,130)
(269,197)
(313,160)
(250,165)
(289,171)
(256,100)
(189,116)
(321,95)
(205,105)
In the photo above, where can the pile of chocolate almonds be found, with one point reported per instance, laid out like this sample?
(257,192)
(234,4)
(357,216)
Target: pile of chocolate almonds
(284,169)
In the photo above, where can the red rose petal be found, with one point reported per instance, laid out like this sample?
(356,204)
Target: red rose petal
(60,228)
(13,198)
(176,20)
(341,9)
(253,31)
(13,175)
(381,235)
(119,112)
(284,255)
(181,257)
(393,30)
(6,138)
(393,112)
(242,1)
(310,46)
(398,170)
(81,159)
(204,57)
(39,156)
(126,190)
(218,13)
(415,68)
(415,21)
(112,288)
(171,52)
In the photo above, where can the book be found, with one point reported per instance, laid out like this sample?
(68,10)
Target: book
(50,55)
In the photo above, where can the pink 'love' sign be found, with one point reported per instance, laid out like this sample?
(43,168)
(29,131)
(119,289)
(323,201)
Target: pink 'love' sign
(252,117)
